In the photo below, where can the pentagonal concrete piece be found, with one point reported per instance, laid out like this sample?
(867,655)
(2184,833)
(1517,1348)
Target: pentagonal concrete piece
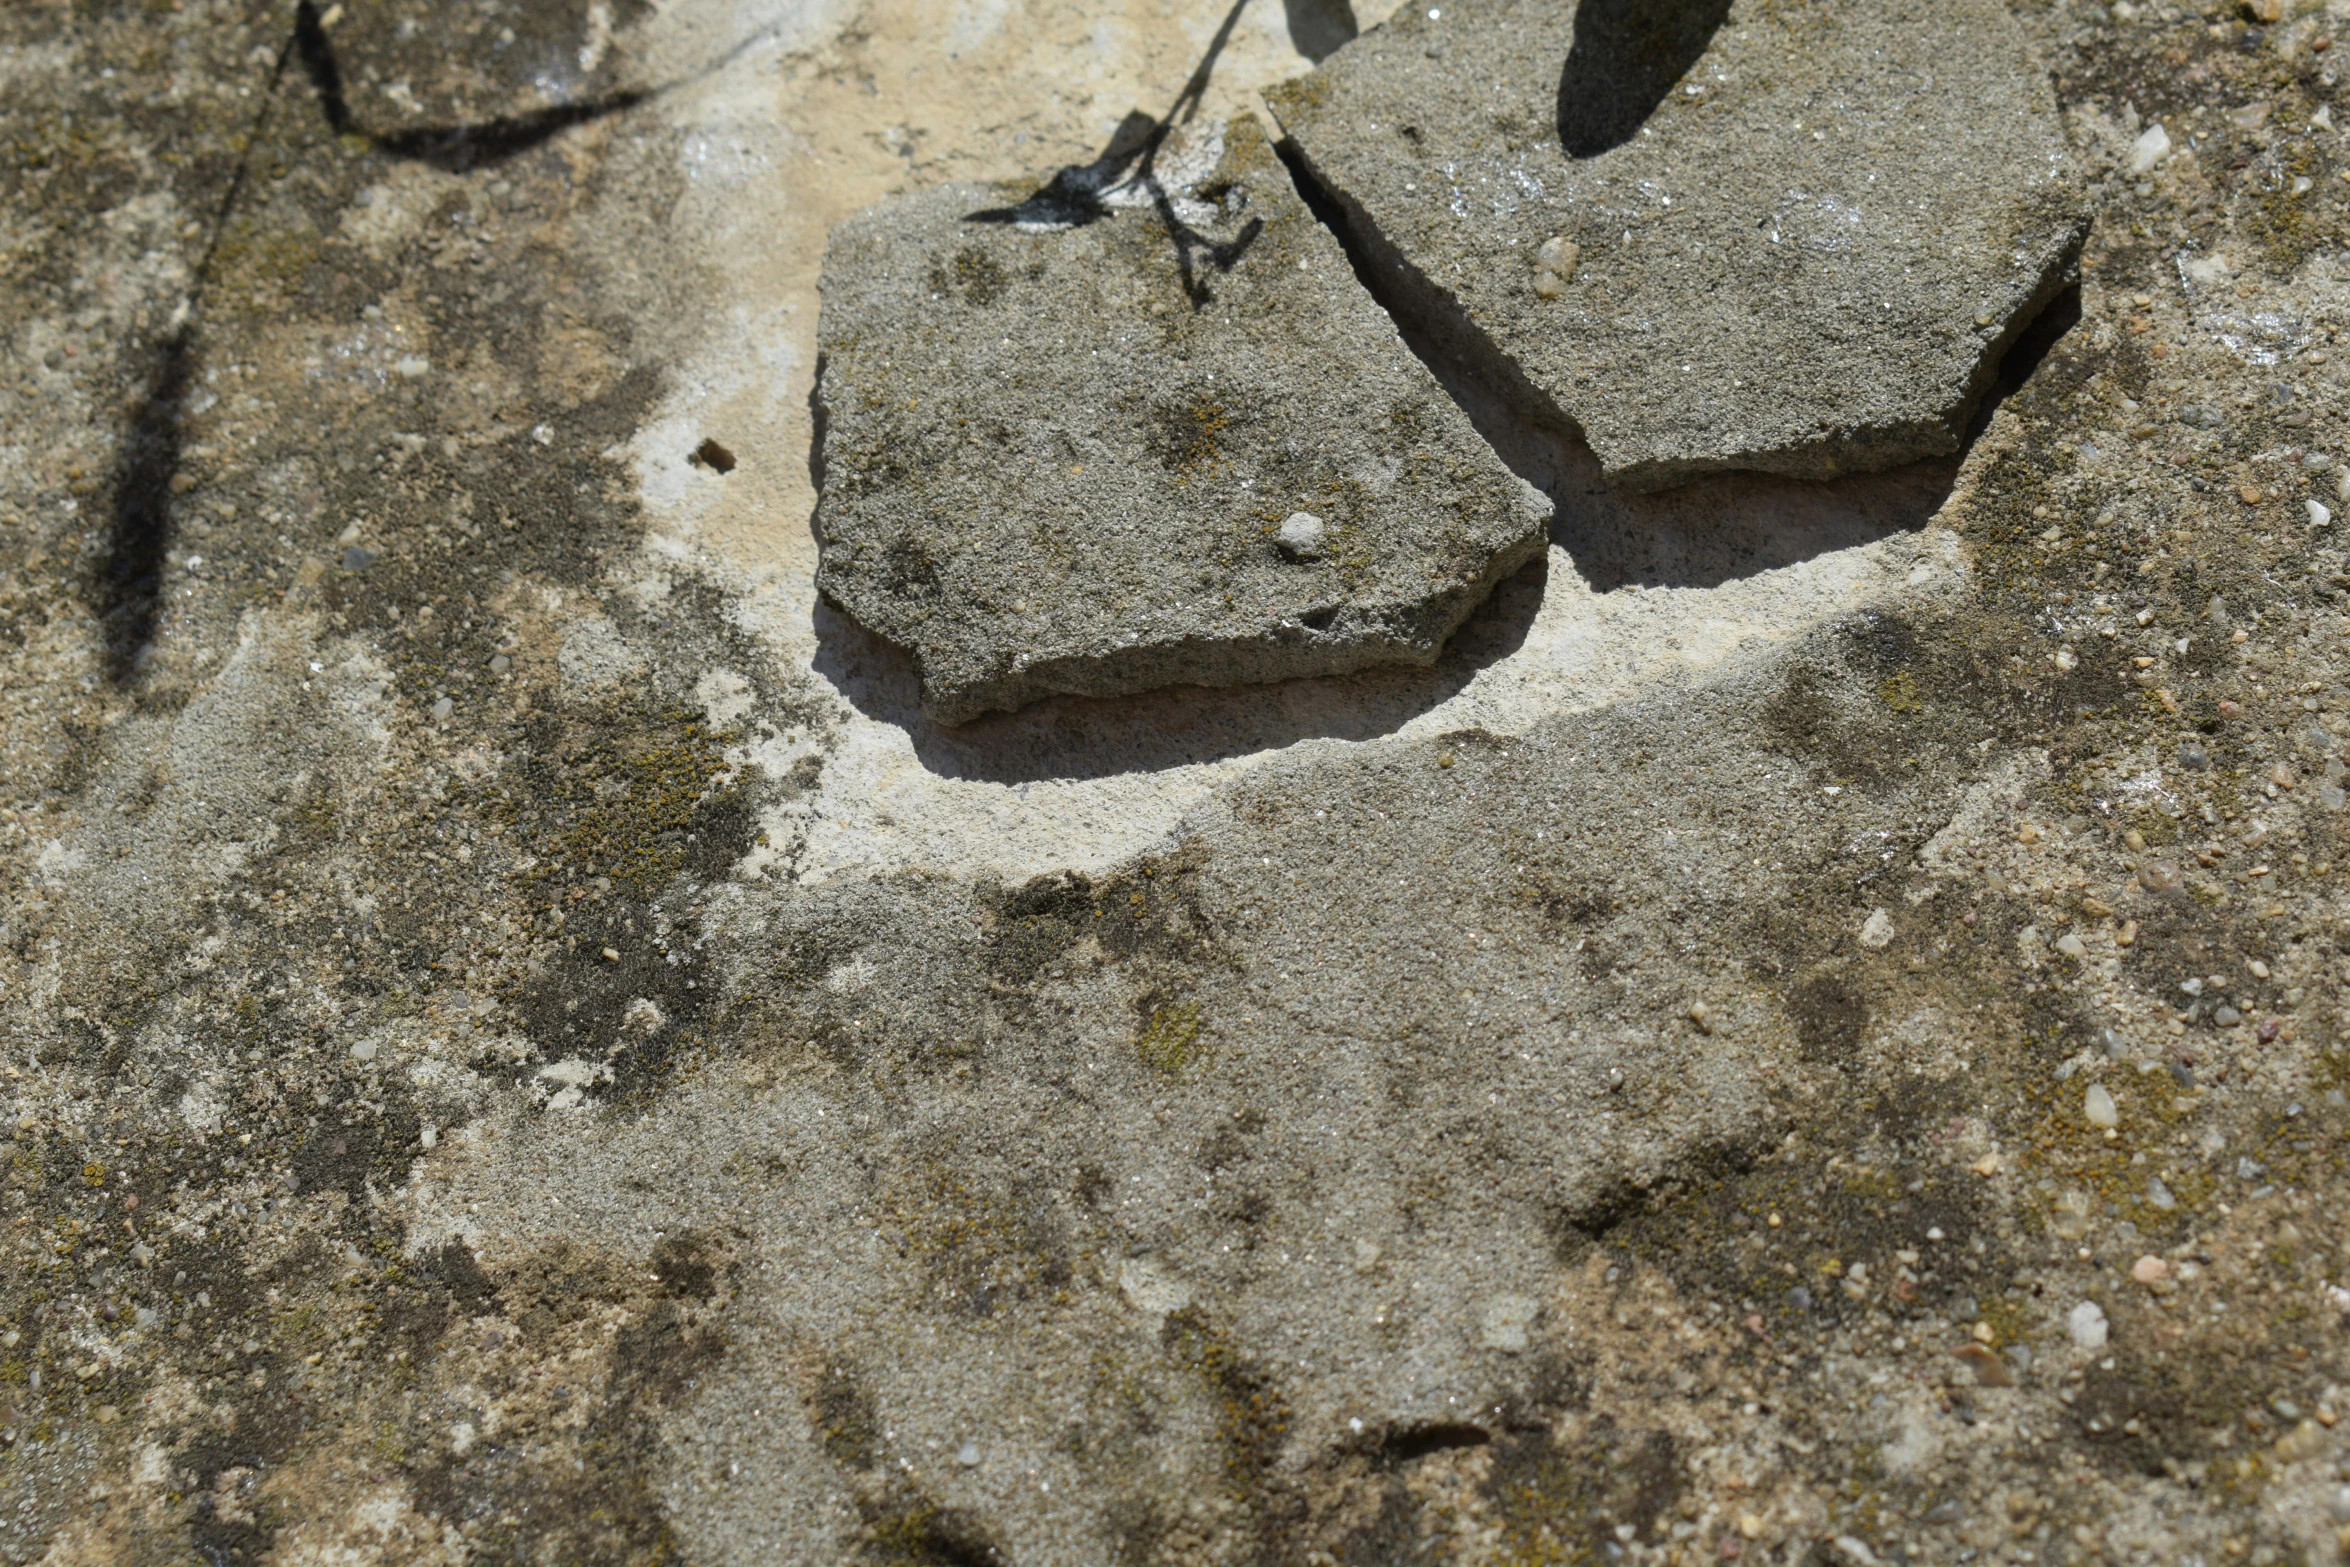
(1793,236)
(1141,429)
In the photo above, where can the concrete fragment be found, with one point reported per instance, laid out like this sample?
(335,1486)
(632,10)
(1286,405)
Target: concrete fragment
(1068,442)
(1802,237)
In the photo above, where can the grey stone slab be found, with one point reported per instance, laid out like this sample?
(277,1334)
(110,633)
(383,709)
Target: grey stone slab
(1067,441)
(1782,235)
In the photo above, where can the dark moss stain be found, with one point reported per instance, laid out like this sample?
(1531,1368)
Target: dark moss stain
(908,568)
(1562,1502)
(591,1496)
(986,1246)
(1251,1417)
(1150,910)
(842,1412)
(1830,1014)
(1184,434)
(631,800)
(348,1152)
(1566,903)
(904,1528)
(684,1267)
(973,275)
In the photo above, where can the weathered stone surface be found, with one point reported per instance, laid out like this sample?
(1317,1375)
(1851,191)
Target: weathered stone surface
(513,1052)
(1797,239)
(1064,440)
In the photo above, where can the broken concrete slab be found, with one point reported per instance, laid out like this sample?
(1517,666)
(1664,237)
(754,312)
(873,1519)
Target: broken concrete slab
(1141,429)
(1790,238)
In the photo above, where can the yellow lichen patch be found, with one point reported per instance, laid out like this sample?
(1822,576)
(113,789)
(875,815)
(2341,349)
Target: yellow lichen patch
(1170,1040)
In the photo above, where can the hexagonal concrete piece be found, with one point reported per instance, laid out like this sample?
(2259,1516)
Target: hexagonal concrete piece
(1142,429)
(1792,236)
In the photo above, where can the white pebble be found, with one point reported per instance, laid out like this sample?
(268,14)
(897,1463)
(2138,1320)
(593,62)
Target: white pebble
(1554,265)
(2088,1325)
(2072,946)
(413,368)
(442,709)
(2098,1106)
(968,1455)
(1877,930)
(2319,516)
(1301,536)
(2151,147)
(363,1051)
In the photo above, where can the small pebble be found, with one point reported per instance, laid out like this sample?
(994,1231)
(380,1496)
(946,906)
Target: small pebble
(1301,536)
(968,1455)
(1554,266)
(442,709)
(500,664)
(2319,516)
(2148,151)
(2226,1016)
(2087,1324)
(2160,876)
(2150,1269)
(2098,1106)
(1989,1369)
(363,1051)
(2160,1195)
(2072,946)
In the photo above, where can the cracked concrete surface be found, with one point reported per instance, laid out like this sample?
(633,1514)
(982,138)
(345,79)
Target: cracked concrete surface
(1149,434)
(1790,239)
(523,1043)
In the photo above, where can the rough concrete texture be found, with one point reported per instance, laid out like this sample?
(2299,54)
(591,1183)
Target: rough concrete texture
(1796,238)
(1140,429)
(520,1043)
